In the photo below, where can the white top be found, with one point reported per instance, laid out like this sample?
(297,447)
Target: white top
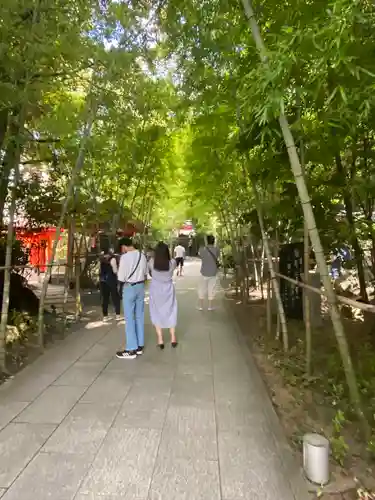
(179,252)
(114,265)
(128,263)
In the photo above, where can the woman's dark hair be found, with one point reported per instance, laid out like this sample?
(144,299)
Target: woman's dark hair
(210,239)
(125,241)
(162,257)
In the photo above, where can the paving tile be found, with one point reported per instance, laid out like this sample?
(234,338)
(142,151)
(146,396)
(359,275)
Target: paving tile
(94,496)
(124,464)
(81,374)
(193,390)
(190,419)
(184,479)
(235,396)
(183,444)
(154,385)
(194,369)
(83,431)
(2,492)
(53,362)
(145,406)
(18,444)
(98,353)
(249,466)
(151,369)
(52,406)
(49,476)
(189,432)
(9,411)
(111,387)
(232,415)
(24,389)
(194,351)
(119,365)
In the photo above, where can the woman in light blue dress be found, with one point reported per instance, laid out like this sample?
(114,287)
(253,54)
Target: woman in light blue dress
(163,302)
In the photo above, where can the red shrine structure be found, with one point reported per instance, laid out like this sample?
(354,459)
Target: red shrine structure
(39,242)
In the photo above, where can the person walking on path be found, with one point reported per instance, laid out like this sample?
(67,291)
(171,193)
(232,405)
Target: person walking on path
(210,265)
(132,273)
(163,302)
(179,255)
(108,284)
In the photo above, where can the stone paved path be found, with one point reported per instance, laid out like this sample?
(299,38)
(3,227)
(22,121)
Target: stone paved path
(188,424)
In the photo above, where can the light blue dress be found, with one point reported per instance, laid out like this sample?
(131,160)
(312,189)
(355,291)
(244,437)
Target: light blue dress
(163,302)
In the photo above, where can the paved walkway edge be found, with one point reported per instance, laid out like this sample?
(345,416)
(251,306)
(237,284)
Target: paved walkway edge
(293,470)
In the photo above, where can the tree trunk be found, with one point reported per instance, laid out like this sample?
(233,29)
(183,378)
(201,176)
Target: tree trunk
(77,168)
(314,237)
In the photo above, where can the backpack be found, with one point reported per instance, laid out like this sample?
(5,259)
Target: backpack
(106,272)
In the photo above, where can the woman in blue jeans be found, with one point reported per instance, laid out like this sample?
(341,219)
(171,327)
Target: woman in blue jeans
(132,273)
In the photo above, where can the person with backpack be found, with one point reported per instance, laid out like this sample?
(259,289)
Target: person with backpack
(108,284)
(133,273)
(209,268)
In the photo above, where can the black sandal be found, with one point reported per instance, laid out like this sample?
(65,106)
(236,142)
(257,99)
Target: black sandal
(174,344)
(161,346)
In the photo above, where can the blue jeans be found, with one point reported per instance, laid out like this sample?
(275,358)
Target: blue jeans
(134,308)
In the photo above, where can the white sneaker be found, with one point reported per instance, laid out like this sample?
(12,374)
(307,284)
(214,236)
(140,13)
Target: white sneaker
(118,317)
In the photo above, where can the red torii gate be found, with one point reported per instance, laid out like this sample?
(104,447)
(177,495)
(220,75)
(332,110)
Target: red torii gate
(39,242)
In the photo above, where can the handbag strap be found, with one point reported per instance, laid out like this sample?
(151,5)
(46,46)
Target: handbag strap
(213,256)
(136,267)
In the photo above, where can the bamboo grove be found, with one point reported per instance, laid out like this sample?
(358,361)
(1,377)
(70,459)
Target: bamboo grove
(280,108)
(253,119)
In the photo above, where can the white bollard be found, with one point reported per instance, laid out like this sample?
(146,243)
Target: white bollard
(316,458)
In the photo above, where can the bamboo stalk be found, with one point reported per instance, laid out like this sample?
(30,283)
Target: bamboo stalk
(78,310)
(275,283)
(77,168)
(276,258)
(69,267)
(306,274)
(254,261)
(314,237)
(9,245)
(269,305)
(262,273)
(20,126)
